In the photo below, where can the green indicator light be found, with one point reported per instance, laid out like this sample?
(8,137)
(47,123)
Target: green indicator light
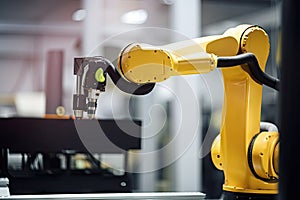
(99,75)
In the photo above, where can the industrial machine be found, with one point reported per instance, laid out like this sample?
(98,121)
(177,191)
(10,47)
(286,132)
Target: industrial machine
(246,149)
(50,155)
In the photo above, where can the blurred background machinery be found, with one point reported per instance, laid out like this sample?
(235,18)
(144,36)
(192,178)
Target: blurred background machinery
(57,156)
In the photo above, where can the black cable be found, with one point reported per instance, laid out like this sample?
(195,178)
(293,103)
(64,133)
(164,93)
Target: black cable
(118,80)
(252,68)
(126,86)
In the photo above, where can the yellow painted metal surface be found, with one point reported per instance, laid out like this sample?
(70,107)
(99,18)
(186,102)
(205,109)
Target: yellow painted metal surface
(241,112)
(143,63)
(264,156)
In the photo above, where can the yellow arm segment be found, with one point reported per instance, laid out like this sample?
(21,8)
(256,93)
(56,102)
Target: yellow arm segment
(141,63)
(241,114)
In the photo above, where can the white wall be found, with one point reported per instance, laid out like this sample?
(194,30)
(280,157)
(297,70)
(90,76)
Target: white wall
(23,63)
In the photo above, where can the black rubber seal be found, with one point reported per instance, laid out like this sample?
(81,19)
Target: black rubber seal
(250,162)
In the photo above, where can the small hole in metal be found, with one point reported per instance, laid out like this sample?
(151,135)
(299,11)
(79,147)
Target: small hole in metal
(123,184)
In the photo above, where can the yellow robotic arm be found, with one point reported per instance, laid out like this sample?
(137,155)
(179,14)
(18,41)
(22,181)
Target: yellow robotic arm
(246,152)
(248,157)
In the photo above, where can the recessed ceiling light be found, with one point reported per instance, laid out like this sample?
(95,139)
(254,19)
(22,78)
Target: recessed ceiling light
(79,15)
(135,17)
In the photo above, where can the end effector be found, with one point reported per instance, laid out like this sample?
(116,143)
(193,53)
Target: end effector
(90,81)
(91,77)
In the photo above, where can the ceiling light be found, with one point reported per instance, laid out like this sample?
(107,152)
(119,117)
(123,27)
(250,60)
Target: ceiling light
(135,17)
(79,15)
(167,2)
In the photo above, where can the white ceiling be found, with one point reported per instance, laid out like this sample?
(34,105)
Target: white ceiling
(37,11)
(60,11)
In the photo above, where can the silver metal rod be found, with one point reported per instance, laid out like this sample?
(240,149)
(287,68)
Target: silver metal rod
(115,196)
